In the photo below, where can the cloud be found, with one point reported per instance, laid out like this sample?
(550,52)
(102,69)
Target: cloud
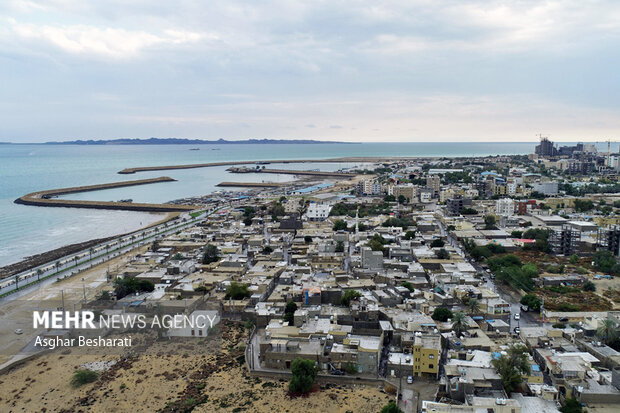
(418,69)
(104,42)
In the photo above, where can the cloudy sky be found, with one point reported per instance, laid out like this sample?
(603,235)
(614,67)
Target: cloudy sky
(414,70)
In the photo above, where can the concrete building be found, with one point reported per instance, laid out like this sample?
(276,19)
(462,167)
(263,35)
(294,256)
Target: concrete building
(547,188)
(433,182)
(505,206)
(371,260)
(318,211)
(426,353)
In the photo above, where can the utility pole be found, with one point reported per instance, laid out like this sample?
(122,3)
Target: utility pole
(62,294)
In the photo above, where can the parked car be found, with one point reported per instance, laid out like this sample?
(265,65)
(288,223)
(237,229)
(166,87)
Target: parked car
(337,373)
(517,316)
(563,319)
(19,331)
(409,379)
(517,330)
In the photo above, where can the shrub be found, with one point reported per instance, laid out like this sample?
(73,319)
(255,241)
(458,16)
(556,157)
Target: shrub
(589,286)
(303,375)
(237,291)
(559,325)
(339,225)
(83,376)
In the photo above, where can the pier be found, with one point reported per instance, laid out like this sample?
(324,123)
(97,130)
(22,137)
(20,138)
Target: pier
(291,172)
(46,198)
(253,184)
(266,162)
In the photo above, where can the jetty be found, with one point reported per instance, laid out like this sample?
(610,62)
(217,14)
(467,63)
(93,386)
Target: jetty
(253,184)
(47,198)
(291,172)
(254,162)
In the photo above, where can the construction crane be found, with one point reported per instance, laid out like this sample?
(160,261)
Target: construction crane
(609,141)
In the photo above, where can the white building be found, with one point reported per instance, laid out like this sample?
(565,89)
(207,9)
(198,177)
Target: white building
(197,324)
(505,206)
(547,188)
(318,211)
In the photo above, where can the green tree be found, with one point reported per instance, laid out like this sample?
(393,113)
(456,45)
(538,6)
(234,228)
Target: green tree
(389,198)
(237,291)
(289,312)
(401,199)
(489,222)
(303,375)
(530,270)
(437,243)
(210,255)
(516,234)
(442,254)
(308,239)
(604,260)
(583,205)
(531,301)
(574,259)
(267,250)
(512,365)
(348,296)
(339,246)
(473,306)
(479,253)
(608,331)
(391,407)
(459,323)
(589,286)
(571,405)
(339,225)
(408,285)
(468,211)
(441,314)
(409,235)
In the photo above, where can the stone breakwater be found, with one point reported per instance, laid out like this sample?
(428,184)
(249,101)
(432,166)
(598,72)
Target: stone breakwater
(46,198)
(266,162)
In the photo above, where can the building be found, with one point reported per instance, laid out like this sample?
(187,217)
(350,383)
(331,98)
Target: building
(426,196)
(525,207)
(456,205)
(372,260)
(565,241)
(505,206)
(318,211)
(609,239)
(368,187)
(545,148)
(546,188)
(409,191)
(426,353)
(433,182)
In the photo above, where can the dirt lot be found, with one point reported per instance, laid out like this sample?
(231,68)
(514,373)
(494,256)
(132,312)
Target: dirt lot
(201,375)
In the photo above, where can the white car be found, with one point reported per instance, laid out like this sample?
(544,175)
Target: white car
(409,379)
(517,316)
(19,331)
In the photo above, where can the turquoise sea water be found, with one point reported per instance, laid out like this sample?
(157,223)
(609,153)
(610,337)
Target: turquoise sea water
(27,230)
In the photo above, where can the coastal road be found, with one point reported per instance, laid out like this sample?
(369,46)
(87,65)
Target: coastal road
(97,255)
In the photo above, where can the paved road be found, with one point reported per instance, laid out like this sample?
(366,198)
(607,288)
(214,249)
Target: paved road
(83,260)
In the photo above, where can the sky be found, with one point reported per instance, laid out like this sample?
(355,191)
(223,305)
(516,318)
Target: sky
(414,70)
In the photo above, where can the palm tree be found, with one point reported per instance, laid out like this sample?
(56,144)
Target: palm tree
(39,272)
(473,306)
(90,251)
(512,365)
(608,331)
(57,266)
(459,323)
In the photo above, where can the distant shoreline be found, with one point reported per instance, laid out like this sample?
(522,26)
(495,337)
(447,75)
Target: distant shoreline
(183,141)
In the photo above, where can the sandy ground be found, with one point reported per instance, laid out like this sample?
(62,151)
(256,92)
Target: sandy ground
(18,313)
(201,375)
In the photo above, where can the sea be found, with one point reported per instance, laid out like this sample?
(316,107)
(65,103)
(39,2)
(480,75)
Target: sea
(28,230)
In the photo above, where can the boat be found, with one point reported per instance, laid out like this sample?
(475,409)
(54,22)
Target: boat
(194,149)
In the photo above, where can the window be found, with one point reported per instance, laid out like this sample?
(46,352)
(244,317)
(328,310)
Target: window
(431,366)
